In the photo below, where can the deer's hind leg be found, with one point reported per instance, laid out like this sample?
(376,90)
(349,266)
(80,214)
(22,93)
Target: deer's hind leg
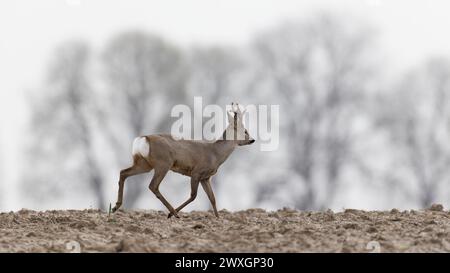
(140,165)
(160,173)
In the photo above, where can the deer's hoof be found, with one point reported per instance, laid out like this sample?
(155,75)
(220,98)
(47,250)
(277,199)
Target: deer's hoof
(171,214)
(116,208)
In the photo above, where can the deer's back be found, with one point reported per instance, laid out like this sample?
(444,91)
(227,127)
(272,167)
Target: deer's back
(182,156)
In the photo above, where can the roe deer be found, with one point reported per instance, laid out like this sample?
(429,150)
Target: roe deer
(197,159)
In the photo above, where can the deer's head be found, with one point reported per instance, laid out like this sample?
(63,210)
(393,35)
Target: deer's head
(236,130)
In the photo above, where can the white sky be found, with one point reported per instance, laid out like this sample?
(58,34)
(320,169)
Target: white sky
(411,30)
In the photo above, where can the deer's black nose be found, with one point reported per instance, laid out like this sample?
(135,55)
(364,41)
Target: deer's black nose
(251,141)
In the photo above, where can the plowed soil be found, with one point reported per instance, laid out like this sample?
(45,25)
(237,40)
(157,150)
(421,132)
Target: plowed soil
(252,230)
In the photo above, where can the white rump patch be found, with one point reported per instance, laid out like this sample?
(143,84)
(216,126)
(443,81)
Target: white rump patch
(141,146)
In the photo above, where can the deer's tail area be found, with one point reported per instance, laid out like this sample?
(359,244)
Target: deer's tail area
(141,147)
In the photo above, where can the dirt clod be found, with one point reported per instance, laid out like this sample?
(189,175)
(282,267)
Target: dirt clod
(437,207)
(198,226)
(394,211)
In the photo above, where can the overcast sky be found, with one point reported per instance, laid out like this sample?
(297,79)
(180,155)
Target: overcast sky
(410,30)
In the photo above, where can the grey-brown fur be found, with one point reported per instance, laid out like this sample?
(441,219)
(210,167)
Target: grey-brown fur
(199,160)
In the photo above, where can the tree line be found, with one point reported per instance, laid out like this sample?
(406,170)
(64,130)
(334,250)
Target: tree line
(342,124)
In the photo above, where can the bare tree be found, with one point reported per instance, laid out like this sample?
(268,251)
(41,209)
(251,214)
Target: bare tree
(417,119)
(318,72)
(142,74)
(214,71)
(62,152)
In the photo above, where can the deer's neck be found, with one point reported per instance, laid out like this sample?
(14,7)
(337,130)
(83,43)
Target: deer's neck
(222,149)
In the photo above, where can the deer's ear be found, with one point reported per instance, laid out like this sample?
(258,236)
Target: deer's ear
(230,116)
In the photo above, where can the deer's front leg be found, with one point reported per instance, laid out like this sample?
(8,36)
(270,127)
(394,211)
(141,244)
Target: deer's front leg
(194,188)
(206,185)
